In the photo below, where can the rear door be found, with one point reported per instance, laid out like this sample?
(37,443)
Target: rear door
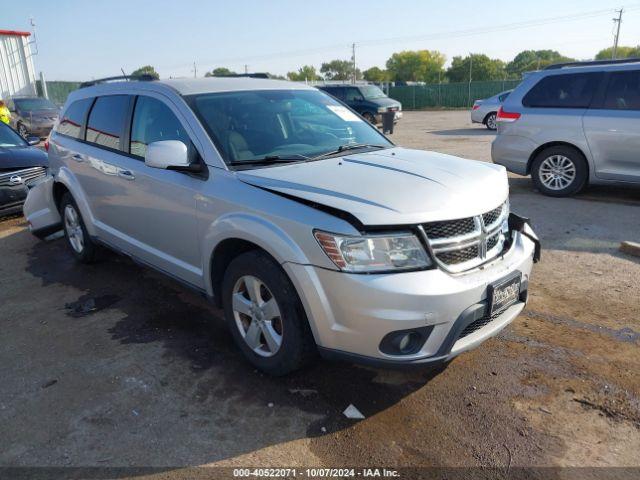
(612,128)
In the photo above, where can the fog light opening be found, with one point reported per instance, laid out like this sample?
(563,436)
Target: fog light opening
(405,342)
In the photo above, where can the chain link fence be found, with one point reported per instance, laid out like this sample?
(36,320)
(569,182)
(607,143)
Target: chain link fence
(447,95)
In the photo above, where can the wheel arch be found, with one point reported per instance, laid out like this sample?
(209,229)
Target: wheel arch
(544,146)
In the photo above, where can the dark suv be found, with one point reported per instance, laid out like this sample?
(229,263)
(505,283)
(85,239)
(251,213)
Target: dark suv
(33,115)
(368,100)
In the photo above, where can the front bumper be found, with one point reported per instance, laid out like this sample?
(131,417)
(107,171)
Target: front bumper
(350,314)
(12,198)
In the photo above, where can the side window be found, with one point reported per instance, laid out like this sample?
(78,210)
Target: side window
(353,95)
(73,118)
(623,91)
(106,121)
(336,92)
(154,121)
(503,97)
(571,90)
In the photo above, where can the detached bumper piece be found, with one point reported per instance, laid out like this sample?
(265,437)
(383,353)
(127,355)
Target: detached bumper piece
(523,225)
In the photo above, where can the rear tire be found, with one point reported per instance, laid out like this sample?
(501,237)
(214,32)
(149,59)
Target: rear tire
(490,121)
(22,131)
(559,171)
(75,231)
(369,117)
(265,314)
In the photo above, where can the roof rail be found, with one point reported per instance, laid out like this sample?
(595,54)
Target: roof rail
(245,75)
(145,77)
(590,63)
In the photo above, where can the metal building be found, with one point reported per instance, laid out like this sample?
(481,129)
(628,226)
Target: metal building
(17,75)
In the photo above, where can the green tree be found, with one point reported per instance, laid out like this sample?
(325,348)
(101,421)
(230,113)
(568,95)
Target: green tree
(621,52)
(219,72)
(146,70)
(304,73)
(339,70)
(376,74)
(529,60)
(482,68)
(416,66)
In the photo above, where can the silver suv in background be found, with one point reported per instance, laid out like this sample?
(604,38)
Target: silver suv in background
(310,228)
(485,111)
(573,124)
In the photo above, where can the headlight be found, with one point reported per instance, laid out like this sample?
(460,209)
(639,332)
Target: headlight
(374,253)
(382,109)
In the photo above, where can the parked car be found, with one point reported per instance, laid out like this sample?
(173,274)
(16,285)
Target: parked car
(485,111)
(32,115)
(573,124)
(309,227)
(21,165)
(368,100)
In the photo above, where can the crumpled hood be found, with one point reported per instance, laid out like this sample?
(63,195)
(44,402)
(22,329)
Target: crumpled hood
(396,186)
(22,157)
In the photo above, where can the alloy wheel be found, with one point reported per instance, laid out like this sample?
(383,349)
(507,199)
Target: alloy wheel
(491,122)
(257,316)
(22,130)
(557,172)
(74,228)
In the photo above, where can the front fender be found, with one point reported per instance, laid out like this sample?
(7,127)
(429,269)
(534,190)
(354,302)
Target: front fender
(263,233)
(68,179)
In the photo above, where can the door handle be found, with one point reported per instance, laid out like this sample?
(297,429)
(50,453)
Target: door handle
(77,157)
(126,174)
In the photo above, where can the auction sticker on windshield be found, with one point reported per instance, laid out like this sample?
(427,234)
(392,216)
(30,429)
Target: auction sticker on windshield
(344,113)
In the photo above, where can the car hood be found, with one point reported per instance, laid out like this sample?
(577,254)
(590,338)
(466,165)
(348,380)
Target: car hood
(395,186)
(41,113)
(384,102)
(22,157)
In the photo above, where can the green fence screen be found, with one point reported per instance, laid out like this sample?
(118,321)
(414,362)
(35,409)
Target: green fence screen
(447,95)
(58,91)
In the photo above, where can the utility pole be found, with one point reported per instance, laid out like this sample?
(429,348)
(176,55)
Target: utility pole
(246,68)
(353,59)
(195,70)
(617,21)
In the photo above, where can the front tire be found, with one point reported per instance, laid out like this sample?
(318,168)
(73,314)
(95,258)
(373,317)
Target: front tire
(75,231)
(265,314)
(490,121)
(22,131)
(559,171)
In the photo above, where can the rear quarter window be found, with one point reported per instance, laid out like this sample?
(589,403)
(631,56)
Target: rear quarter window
(73,118)
(571,90)
(623,91)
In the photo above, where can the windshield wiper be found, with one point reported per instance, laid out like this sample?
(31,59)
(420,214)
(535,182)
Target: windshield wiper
(347,146)
(270,159)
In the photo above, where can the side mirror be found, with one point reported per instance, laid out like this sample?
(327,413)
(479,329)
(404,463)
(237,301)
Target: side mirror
(33,140)
(169,155)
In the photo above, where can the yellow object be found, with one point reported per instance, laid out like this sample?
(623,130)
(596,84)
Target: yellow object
(5,115)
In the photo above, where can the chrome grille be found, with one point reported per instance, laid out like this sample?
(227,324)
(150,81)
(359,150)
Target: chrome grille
(463,244)
(24,176)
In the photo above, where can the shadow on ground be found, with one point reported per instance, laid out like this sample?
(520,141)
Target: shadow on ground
(199,366)
(465,132)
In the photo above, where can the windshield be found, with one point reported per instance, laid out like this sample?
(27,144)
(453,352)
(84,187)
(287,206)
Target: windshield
(253,126)
(371,91)
(9,138)
(30,104)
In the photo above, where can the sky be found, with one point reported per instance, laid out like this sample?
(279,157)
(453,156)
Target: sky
(80,40)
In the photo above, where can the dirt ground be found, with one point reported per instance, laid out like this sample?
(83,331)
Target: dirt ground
(113,365)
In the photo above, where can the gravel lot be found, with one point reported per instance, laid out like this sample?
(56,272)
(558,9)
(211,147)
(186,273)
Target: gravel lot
(115,365)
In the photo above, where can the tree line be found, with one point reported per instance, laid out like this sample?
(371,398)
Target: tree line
(428,66)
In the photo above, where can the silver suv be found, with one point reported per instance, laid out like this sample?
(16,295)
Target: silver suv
(311,229)
(573,124)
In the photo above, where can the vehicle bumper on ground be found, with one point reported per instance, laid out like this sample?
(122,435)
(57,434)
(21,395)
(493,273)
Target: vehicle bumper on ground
(351,314)
(512,152)
(40,209)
